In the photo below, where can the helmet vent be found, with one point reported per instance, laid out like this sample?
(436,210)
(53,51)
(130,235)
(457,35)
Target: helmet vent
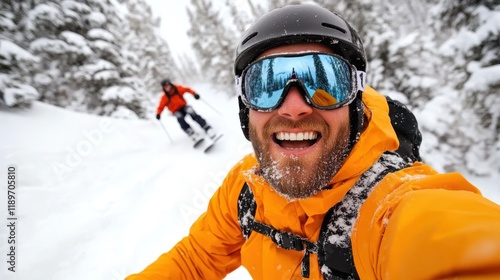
(334,27)
(249,37)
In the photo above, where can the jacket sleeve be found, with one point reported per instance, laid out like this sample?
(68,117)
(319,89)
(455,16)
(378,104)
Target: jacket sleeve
(212,248)
(442,234)
(162,104)
(431,233)
(183,89)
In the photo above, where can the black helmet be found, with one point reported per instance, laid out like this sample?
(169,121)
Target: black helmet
(304,23)
(165,82)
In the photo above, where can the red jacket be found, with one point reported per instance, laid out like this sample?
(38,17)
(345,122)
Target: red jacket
(174,101)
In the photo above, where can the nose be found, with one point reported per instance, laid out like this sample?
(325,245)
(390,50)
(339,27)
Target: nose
(294,106)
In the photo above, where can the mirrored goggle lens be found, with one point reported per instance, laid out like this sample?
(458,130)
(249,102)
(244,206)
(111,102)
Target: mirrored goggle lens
(326,78)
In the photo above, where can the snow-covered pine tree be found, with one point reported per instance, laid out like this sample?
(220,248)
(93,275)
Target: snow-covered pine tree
(469,37)
(213,42)
(187,69)
(112,86)
(49,31)
(240,17)
(147,56)
(15,60)
(82,55)
(78,57)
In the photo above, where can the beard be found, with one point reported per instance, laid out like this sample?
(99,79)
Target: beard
(296,177)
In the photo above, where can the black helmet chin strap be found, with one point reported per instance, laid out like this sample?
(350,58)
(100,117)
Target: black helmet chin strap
(356,116)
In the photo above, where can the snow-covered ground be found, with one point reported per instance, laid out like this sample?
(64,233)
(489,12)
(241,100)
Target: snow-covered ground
(100,198)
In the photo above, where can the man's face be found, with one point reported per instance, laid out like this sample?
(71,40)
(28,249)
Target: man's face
(167,87)
(302,166)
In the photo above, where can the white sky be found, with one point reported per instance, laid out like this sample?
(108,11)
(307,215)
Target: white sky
(175,22)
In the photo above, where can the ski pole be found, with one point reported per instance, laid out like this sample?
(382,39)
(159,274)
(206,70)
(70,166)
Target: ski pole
(166,132)
(206,103)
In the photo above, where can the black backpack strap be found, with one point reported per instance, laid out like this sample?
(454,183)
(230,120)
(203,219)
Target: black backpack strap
(406,126)
(286,240)
(289,241)
(246,210)
(335,251)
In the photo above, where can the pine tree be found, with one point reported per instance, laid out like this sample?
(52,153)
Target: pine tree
(255,78)
(147,58)
(213,43)
(321,79)
(15,59)
(341,72)
(470,43)
(270,84)
(103,57)
(187,69)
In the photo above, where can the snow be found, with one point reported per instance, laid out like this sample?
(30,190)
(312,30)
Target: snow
(11,51)
(7,23)
(101,198)
(44,12)
(55,46)
(98,33)
(490,20)
(99,66)
(12,94)
(97,19)
(484,78)
(102,45)
(76,6)
(104,75)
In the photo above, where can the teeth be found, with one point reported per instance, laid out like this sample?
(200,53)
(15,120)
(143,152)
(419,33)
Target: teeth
(291,136)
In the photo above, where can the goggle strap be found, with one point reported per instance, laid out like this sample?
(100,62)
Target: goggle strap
(361,78)
(238,80)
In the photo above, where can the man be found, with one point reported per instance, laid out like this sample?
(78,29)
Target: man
(173,99)
(325,196)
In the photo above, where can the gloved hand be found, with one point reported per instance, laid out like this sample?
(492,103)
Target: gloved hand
(157,116)
(196,96)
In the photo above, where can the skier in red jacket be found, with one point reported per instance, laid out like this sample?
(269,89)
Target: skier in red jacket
(173,99)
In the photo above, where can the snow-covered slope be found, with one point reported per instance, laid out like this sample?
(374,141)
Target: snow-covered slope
(100,198)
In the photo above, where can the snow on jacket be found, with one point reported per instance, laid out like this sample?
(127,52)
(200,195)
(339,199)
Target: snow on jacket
(415,224)
(175,100)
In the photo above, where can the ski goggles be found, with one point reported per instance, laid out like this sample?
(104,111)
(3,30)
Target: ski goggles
(327,81)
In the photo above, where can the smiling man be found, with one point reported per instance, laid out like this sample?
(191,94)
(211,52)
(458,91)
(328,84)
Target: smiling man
(299,147)
(334,190)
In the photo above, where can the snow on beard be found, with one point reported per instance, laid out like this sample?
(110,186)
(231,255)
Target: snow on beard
(294,177)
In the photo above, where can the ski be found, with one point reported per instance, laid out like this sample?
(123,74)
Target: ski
(212,143)
(198,142)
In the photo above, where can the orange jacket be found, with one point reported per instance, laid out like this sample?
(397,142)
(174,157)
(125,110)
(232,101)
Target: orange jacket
(174,101)
(415,224)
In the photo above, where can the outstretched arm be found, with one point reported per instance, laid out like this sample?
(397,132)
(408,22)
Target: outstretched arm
(436,227)
(454,234)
